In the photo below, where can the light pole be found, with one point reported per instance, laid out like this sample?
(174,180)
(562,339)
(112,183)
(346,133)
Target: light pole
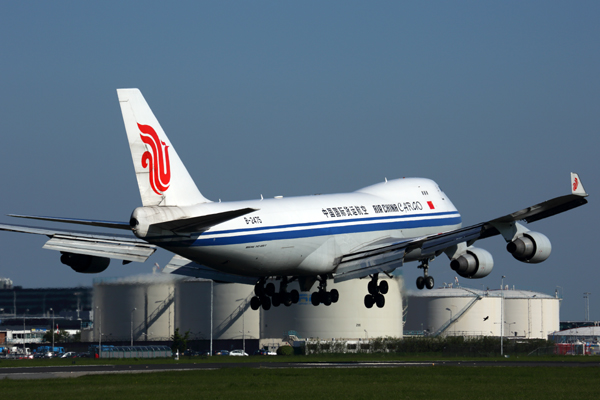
(52,327)
(132,326)
(502,316)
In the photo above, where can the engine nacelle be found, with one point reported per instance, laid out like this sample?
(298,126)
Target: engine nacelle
(532,247)
(84,263)
(474,263)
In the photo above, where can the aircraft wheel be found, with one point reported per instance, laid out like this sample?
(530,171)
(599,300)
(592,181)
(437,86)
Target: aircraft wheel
(429,282)
(270,289)
(255,303)
(315,299)
(420,283)
(259,289)
(383,287)
(276,299)
(286,299)
(380,300)
(369,301)
(335,295)
(265,301)
(295,296)
(326,296)
(372,287)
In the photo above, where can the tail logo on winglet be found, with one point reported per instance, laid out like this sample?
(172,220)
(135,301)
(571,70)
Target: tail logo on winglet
(575,184)
(157,161)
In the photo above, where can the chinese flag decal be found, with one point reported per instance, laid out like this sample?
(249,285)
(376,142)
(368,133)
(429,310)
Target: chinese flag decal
(431,206)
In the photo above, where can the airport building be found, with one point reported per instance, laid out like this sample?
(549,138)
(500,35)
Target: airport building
(16,300)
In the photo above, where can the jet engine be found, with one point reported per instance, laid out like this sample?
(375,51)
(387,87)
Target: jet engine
(474,263)
(532,247)
(84,263)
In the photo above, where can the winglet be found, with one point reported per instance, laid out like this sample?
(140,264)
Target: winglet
(577,186)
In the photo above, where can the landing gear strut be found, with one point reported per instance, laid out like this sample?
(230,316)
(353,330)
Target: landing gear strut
(322,296)
(265,295)
(376,292)
(425,280)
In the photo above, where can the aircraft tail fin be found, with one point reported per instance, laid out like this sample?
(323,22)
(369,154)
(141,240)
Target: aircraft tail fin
(162,178)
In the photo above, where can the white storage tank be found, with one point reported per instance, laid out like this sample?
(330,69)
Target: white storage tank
(146,300)
(346,319)
(530,315)
(232,316)
(454,312)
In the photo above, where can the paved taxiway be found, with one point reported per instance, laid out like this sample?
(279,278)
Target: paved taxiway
(73,371)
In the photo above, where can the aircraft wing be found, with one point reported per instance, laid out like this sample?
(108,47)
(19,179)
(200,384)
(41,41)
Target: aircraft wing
(182,266)
(390,255)
(120,247)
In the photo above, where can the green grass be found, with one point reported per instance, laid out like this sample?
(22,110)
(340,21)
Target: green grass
(349,383)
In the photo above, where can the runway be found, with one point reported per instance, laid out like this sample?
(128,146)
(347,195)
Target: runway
(73,371)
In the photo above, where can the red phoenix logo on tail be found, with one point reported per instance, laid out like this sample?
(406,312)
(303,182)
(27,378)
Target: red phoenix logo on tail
(157,161)
(575,184)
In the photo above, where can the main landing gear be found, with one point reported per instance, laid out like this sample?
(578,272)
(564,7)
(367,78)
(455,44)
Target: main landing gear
(376,292)
(265,295)
(322,296)
(425,280)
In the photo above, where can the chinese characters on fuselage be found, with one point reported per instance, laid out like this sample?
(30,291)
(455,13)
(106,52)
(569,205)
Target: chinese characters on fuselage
(337,212)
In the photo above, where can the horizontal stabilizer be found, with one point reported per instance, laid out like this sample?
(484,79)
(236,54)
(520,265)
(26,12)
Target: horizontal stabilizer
(202,223)
(182,266)
(120,247)
(89,222)
(99,248)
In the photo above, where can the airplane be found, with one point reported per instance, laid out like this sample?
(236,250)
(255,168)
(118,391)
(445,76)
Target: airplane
(310,239)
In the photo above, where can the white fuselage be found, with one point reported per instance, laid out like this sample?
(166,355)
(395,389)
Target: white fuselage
(303,236)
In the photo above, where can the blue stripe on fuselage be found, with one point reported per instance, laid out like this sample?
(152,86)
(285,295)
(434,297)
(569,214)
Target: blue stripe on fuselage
(382,225)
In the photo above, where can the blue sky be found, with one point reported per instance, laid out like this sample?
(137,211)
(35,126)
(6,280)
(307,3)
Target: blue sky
(495,101)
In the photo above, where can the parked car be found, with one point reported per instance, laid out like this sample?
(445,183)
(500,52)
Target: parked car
(221,353)
(69,354)
(264,352)
(238,353)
